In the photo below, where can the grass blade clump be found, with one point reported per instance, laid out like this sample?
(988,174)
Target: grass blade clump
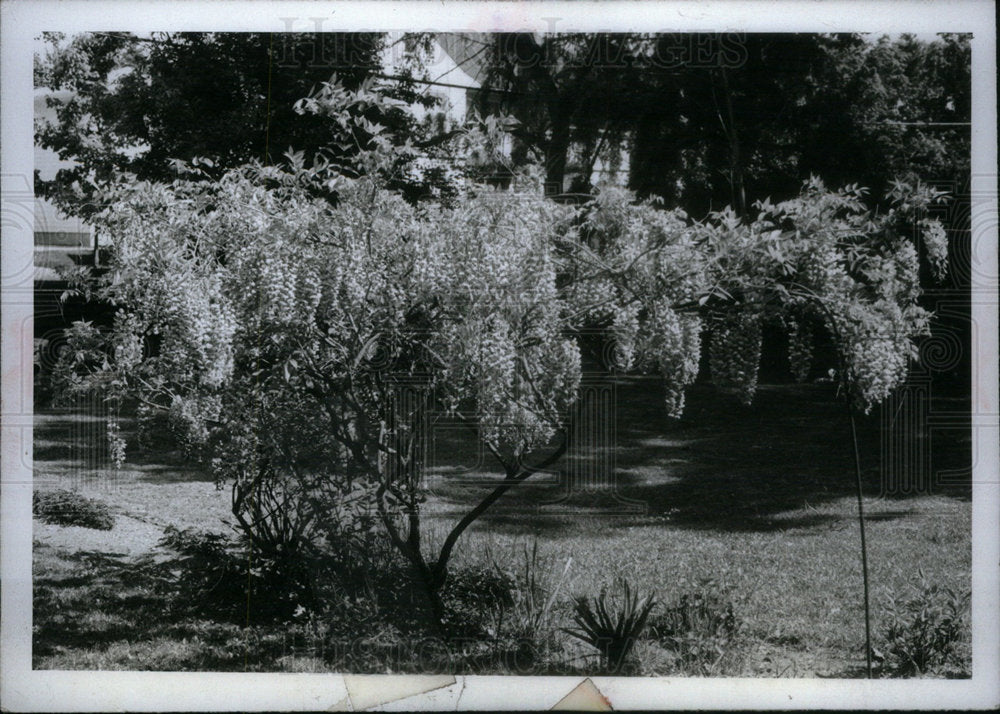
(612,624)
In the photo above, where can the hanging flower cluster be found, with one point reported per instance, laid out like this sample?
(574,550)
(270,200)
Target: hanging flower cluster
(834,266)
(653,281)
(634,272)
(936,241)
(734,354)
(800,349)
(239,288)
(499,339)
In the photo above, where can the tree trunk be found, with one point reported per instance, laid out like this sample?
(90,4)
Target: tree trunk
(556,150)
(436,605)
(735,158)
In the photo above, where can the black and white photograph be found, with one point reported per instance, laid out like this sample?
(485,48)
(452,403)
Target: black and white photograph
(601,358)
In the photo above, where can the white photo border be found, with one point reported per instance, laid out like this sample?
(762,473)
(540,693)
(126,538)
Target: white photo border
(24,689)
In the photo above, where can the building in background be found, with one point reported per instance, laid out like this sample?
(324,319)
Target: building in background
(60,240)
(454,68)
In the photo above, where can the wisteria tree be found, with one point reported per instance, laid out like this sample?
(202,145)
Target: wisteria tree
(301,327)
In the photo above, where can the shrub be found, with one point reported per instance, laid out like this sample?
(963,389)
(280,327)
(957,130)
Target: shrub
(923,634)
(356,553)
(475,600)
(68,508)
(612,624)
(697,628)
(507,624)
(208,573)
(222,577)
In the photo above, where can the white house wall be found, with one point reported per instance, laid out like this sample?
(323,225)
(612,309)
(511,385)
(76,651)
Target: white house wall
(445,79)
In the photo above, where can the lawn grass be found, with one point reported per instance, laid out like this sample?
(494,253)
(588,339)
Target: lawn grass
(758,500)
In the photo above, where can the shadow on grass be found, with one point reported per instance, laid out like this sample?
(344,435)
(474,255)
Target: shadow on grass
(98,611)
(723,467)
(85,599)
(75,440)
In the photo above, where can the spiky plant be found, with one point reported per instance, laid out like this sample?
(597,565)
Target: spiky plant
(612,624)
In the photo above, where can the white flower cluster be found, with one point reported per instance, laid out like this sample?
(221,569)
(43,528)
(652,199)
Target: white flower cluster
(675,344)
(800,349)
(641,262)
(936,242)
(734,346)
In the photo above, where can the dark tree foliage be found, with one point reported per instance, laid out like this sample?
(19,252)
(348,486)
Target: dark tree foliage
(135,104)
(718,120)
(565,88)
(706,120)
(723,132)
(890,109)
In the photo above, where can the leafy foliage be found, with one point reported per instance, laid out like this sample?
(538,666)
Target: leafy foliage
(68,508)
(922,634)
(209,570)
(474,599)
(126,103)
(217,576)
(698,628)
(896,108)
(725,118)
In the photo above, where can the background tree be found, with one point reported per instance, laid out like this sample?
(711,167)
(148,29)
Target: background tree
(711,120)
(908,107)
(706,120)
(564,88)
(133,104)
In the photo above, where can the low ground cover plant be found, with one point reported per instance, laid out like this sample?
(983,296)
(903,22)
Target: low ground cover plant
(923,632)
(475,599)
(68,508)
(697,628)
(222,580)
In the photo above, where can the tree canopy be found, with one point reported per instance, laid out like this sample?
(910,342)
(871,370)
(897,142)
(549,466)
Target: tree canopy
(135,104)
(703,120)
(728,119)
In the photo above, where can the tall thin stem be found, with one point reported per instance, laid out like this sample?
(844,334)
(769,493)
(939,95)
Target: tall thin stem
(864,544)
(845,384)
